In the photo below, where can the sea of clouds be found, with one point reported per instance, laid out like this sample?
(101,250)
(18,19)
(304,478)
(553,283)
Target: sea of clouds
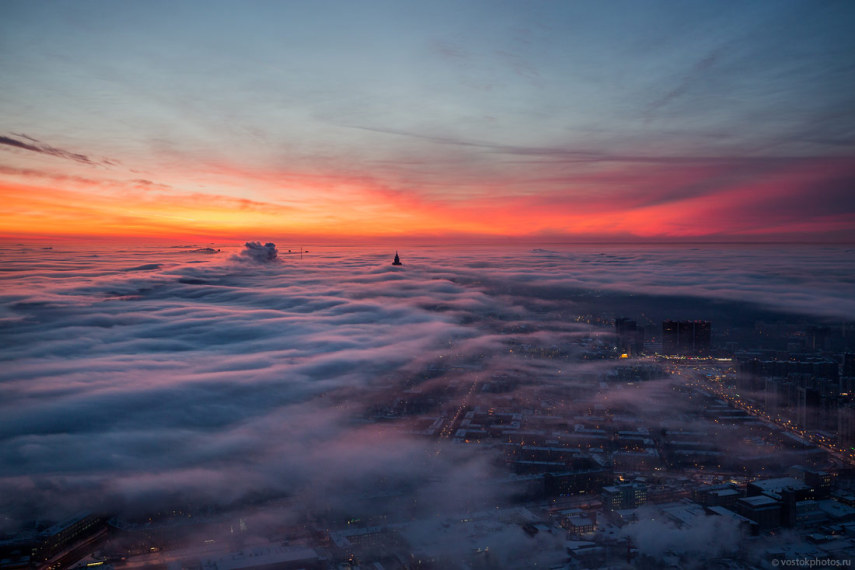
(143,378)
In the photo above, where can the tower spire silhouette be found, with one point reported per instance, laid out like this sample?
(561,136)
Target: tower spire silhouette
(397,260)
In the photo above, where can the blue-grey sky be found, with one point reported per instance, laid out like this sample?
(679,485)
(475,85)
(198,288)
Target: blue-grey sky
(645,119)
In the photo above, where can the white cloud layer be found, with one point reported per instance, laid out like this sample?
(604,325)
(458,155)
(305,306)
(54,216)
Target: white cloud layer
(141,378)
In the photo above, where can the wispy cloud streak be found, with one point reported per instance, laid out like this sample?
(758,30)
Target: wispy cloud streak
(35,145)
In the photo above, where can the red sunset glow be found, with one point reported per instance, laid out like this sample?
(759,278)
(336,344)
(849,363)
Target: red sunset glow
(423,126)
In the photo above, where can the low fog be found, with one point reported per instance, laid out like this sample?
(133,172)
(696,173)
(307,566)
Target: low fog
(139,380)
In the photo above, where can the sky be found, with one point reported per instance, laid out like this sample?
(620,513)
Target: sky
(456,121)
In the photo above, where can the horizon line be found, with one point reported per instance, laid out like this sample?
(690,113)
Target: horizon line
(419,241)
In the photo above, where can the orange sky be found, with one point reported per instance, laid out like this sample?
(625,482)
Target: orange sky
(342,208)
(556,122)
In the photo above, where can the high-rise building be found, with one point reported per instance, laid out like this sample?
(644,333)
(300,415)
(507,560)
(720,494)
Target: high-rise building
(849,364)
(686,337)
(703,337)
(630,337)
(817,337)
(846,425)
(670,337)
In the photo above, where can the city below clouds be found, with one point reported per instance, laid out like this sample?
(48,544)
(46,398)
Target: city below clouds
(282,386)
(135,377)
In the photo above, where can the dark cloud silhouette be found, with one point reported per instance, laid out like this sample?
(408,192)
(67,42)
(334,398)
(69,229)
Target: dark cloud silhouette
(144,267)
(260,253)
(35,145)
